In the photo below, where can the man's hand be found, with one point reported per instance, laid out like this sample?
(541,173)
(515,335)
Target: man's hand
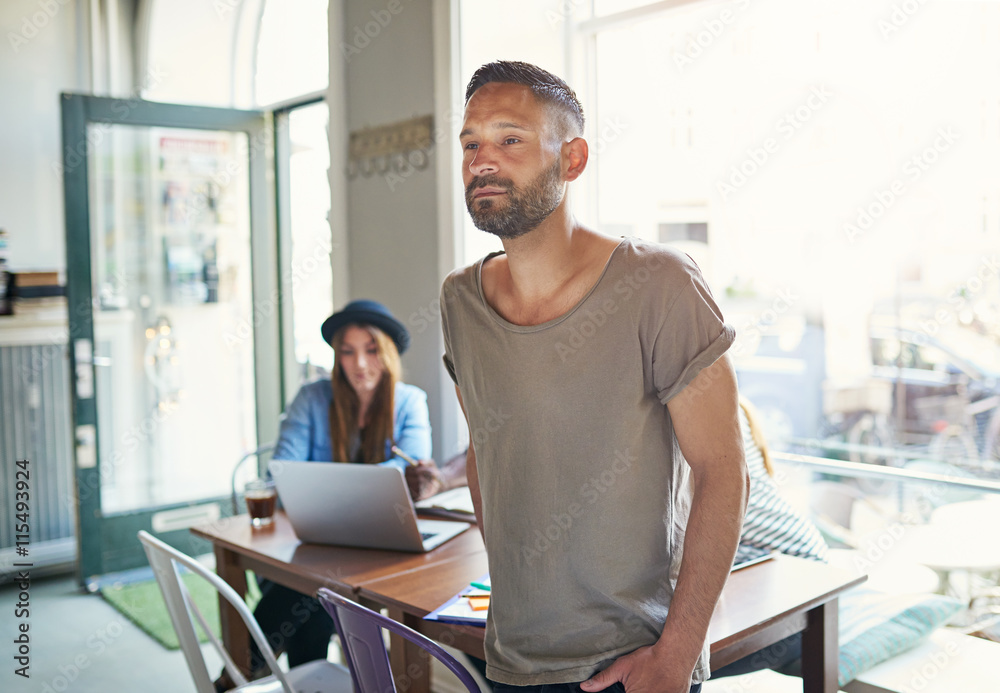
(424,479)
(647,670)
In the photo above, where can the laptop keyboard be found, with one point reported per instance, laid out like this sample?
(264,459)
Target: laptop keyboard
(427,535)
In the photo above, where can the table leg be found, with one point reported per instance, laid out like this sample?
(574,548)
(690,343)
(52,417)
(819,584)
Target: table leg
(235,635)
(411,665)
(820,649)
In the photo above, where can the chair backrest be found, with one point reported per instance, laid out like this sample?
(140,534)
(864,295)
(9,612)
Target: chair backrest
(360,631)
(184,612)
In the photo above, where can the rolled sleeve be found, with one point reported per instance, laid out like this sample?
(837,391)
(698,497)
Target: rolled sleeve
(682,326)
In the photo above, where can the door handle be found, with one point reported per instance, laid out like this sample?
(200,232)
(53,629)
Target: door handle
(83,354)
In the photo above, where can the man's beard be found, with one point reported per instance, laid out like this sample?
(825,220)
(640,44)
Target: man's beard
(524,210)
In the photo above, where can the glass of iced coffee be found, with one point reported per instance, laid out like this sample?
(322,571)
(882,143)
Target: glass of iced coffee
(261,498)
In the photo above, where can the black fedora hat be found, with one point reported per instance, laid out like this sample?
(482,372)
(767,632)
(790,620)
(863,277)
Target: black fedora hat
(367,312)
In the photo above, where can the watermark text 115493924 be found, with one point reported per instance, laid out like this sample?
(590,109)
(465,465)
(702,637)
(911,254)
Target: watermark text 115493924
(22,537)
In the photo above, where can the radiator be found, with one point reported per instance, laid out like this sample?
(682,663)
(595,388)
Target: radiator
(35,425)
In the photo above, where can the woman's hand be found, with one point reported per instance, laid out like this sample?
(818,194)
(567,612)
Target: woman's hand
(424,479)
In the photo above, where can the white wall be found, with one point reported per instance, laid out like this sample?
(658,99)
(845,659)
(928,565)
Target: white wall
(40,56)
(397,240)
(389,237)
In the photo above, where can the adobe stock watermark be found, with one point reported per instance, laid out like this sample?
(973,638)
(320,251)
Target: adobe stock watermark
(32,25)
(597,314)
(712,30)
(633,626)
(563,11)
(961,296)
(492,423)
(268,306)
(790,123)
(98,643)
(75,155)
(43,355)
(886,197)
(139,433)
(753,328)
(590,492)
(899,16)
(363,34)
(747,335)
(204,199)
(403,166)
(922,675)
(406,165)
(223,8)
(608,130)
(875,548)
(425,316)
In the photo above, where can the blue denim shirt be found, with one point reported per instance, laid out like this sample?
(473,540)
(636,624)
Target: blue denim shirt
(305,432)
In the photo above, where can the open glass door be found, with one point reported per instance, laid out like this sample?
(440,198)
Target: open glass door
(174,314)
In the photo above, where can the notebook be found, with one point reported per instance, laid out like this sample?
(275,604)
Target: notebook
(455,504)
(366,506)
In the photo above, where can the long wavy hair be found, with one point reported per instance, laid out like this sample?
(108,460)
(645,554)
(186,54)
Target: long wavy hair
(345,408)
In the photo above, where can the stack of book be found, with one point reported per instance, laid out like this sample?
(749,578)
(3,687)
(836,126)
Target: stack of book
(468,607)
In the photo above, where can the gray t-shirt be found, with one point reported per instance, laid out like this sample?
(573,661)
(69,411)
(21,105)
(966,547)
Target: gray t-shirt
(585,493)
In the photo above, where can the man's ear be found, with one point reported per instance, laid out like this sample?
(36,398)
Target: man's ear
(575,154)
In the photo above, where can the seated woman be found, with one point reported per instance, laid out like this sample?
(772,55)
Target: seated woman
(357,416)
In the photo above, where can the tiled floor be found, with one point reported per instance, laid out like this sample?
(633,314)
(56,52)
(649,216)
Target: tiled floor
(80,644)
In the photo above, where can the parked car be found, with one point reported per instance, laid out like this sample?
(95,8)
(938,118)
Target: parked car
(923,393)
(941,399)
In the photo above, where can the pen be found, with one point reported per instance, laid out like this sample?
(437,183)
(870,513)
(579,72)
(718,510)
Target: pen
(404,456)
(481,586)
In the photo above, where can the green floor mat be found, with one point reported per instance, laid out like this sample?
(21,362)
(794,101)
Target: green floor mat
(142,603)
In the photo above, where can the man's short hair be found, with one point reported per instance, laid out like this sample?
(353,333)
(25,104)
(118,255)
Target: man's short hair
(549,89)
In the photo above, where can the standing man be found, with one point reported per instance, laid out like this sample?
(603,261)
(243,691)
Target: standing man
(602,413)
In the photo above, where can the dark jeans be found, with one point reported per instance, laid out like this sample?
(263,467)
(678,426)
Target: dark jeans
(782,656)
(293,623)
(564,688)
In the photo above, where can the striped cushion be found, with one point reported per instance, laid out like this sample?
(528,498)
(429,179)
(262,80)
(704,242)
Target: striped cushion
(771,523)
(875,627)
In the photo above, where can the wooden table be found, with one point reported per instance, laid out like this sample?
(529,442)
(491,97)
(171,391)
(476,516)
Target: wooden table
(277,554)
(760,605)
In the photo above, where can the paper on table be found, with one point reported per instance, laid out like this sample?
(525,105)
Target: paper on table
(456,500)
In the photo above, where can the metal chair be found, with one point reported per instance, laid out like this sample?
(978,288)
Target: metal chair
(361,636)
(318,676)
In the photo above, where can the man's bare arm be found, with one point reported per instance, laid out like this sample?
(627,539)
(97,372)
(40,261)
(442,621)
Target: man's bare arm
(471,472)
(706,423)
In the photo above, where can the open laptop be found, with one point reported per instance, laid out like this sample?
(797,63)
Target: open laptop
(361,505)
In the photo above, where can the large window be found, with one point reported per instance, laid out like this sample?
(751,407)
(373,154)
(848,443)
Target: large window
(833,169)
(834,174)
